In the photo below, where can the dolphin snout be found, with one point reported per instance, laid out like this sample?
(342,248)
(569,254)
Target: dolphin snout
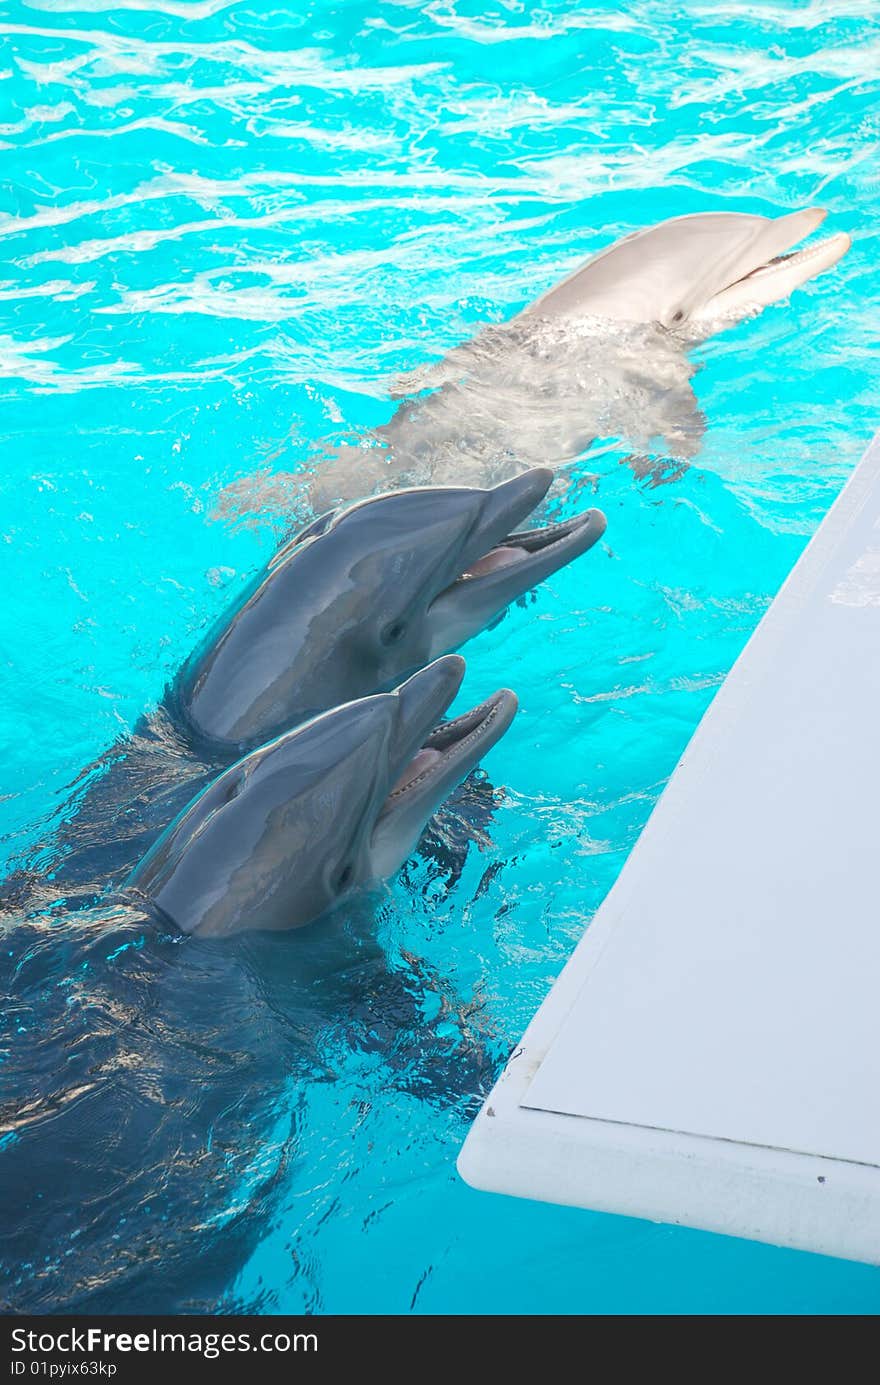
(507,505)
(422,701)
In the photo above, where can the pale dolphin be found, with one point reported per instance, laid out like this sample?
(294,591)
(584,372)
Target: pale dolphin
(601,354)
(290,830)
(695,275)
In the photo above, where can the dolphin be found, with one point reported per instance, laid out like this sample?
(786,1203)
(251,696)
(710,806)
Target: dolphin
(695,274)
(144,1067)
(364,596)
(348,607)
(288,831)
(154,1085)
(602,354)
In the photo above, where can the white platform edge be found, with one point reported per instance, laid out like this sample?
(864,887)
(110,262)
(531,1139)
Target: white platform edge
(805,1202)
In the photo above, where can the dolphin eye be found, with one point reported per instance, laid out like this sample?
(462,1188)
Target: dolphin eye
(393,632)
(345,877)
(679,316)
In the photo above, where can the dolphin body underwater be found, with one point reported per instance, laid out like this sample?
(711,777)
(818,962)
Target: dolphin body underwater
(603,354)
(145,1068)
(348,607)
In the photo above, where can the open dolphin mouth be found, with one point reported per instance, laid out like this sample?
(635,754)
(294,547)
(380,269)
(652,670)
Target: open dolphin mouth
(770,267)
(454,747)
(538,552)
(516,548)
(498,561)
(812,258)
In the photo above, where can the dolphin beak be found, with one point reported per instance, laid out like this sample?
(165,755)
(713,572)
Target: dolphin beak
(503,508)
(782,232)
(430,754)
(430,759)
(769,269)
(421,703)
(506,506)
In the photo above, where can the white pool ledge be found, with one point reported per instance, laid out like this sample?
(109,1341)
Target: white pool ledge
(710,1056)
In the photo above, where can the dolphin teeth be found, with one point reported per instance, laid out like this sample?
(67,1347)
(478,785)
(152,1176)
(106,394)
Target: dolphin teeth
(524,544)
(451,732)
(442,742)
(791,259)
(423,761)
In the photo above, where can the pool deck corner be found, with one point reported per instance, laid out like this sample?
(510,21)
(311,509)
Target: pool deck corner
(710,1056)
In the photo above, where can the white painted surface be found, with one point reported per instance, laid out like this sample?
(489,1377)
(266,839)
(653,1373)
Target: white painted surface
(711,1054)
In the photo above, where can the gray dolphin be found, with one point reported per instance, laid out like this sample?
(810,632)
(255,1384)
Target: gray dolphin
(361,598)
(349,607)
(286,832)
(601,354)
(146,1071)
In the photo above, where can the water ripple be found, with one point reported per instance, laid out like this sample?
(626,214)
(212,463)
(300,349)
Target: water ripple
(223,229)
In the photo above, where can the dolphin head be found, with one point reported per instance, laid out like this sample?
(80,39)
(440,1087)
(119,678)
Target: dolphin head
(363,597)
(696,274)
(286,832)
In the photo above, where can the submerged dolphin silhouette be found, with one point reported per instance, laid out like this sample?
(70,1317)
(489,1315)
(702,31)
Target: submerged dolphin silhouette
(289,830)
(348,607)
(601,354)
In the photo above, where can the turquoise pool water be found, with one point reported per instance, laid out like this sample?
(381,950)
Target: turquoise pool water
(223,228)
